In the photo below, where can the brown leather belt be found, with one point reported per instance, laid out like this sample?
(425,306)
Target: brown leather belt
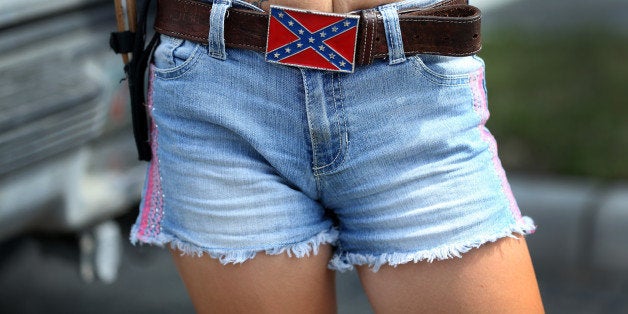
(450,28)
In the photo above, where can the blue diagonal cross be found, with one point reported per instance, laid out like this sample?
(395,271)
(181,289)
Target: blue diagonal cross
(313,40)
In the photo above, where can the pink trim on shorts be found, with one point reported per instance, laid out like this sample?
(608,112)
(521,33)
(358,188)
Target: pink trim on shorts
(152,209)
(480,105)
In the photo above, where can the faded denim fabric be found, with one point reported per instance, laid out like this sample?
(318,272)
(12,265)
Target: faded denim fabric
(391,164)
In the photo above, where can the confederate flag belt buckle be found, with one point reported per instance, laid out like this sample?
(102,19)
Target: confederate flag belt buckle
(316,40)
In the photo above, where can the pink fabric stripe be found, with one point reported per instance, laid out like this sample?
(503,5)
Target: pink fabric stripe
(481,107)
(146,207)
(151,214)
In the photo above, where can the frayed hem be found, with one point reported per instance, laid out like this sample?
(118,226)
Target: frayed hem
(298,250)
(346,261)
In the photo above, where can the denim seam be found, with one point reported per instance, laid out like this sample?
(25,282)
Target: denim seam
(313,140)
(483,114)
(480,112)
(341,141)
(392,29)
(216,36)
(344,119)
(182,69)
(436,78)
(444,76)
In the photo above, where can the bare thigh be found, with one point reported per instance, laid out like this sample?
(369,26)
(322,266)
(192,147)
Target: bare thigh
(495,278)
(265,284)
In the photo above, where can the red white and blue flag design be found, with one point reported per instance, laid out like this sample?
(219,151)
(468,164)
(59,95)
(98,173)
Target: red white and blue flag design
(312,40)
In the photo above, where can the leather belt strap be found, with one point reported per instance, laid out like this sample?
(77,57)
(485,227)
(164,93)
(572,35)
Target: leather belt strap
(450,28)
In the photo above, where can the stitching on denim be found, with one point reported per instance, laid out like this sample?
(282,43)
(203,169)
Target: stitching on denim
(438,79)
(393,35)
(344,119)
(317,178)
(309,124)
(480,106)
(445,76)
(184,68)
(341,139)
(389,34)
(216,36)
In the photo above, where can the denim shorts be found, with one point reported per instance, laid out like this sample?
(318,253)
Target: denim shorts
(390,164)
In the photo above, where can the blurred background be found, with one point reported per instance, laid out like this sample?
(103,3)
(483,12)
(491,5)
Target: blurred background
(70,182)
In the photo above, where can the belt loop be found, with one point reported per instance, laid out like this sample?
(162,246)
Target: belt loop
(392,29)
(216,37)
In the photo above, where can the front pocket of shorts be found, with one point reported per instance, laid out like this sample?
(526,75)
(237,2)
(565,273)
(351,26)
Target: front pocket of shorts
(174,57)
(444,70)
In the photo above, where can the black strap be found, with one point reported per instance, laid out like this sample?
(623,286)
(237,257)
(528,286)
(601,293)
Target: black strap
(122,42)
(135,42)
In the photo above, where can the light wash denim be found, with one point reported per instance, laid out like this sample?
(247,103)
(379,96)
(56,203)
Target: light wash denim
(390,164)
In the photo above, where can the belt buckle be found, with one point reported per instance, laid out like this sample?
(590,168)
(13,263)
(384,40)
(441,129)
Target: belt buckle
(310,39)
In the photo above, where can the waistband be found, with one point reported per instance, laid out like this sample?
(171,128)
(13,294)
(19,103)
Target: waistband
(450,28)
